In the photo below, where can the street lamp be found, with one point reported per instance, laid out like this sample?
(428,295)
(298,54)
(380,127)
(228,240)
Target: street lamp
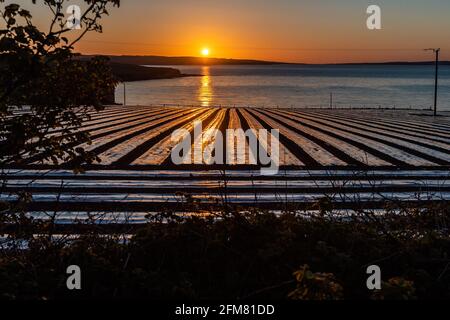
(436,51)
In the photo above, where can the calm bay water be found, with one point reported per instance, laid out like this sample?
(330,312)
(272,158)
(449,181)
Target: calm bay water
(299,86)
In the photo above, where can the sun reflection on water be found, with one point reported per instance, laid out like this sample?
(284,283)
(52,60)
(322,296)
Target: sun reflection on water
(205,93)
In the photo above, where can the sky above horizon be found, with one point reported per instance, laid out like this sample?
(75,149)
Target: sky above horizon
(309,31)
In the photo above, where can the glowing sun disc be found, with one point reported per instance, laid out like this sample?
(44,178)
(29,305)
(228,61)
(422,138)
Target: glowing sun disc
(205,52)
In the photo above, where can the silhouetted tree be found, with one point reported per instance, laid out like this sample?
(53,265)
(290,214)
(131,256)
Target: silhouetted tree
(44,87)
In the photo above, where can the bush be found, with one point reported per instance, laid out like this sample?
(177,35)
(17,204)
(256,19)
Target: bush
(238,256)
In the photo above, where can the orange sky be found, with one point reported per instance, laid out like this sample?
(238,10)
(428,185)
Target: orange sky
(312,31)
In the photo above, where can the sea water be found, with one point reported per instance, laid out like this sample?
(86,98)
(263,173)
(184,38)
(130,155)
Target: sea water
(340,86)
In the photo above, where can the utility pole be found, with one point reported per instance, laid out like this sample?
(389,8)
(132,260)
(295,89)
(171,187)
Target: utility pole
(124,94)
(436,51)
(331,100)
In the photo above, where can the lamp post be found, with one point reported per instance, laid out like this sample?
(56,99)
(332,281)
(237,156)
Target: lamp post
(436,51)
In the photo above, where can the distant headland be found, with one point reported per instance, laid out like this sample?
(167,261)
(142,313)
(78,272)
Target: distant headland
(133,72)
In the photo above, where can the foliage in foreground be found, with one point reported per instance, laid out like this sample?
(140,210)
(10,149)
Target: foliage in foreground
(254,255)
(44,88)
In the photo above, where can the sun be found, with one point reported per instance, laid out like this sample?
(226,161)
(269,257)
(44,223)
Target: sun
(205,52)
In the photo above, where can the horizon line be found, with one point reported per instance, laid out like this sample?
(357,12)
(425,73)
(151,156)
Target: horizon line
(267,61)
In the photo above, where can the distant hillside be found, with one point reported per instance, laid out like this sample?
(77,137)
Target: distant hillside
(130,72)
(161,60)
